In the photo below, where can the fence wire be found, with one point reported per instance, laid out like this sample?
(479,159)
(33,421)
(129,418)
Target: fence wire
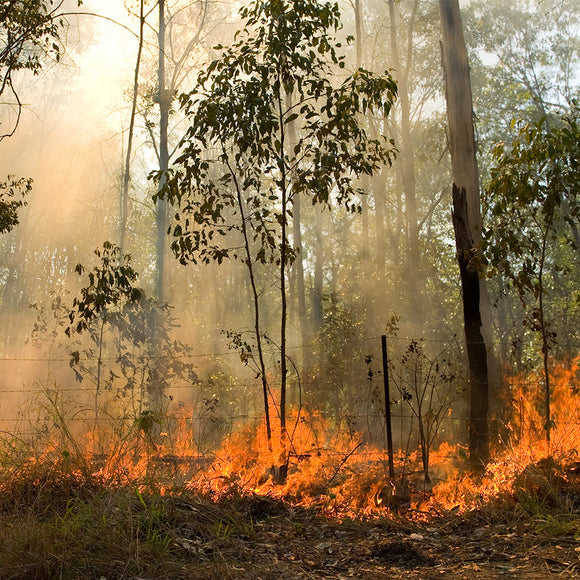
(41,392)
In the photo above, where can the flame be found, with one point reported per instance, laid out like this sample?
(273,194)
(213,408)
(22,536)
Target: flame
(319,464)
(524,460)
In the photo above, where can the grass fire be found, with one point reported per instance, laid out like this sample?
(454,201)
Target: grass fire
(289,289)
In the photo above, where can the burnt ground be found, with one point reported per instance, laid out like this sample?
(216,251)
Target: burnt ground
(296,544)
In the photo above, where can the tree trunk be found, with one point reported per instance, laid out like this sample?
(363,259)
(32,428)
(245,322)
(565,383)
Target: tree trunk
(317,305)
(380,241)
(476,350)
(164,98)
(156,386)
(460,111)
(299,270)
(406,155)
(466,219)
(124,201)
(298,267)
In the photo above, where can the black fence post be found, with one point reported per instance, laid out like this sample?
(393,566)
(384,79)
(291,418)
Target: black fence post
(388,408)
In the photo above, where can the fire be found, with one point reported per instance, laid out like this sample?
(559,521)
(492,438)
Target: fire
(321,465)
(524,461)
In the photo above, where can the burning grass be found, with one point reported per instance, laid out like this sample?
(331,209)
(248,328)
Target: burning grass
(124,502)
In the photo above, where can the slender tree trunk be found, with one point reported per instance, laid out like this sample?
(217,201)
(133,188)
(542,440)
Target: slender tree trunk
(124,202)
(157,380)
(297,238)
(406,154)
(365,238)
(283,297)
(544,331)
(358,28)
(460,111)
(466,220)
(161,207)
(299,270)
(379,187)
(256,304)
(380,242)
(424,449)
(317,305)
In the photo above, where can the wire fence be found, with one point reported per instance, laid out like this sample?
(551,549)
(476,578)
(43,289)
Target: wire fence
(211,396)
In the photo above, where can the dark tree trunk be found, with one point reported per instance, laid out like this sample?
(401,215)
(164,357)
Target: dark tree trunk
(476,350)
(466,221)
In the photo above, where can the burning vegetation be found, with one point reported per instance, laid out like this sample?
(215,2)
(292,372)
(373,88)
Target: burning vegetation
(364,360)
(144,494)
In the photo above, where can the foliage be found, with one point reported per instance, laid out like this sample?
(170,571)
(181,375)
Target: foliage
(13,192)
(29,32)
(533,202)
(531,49)
(534,206)
(239,119)
(428,387)
(338,351)
(143,358)
(110,284)
(267,123)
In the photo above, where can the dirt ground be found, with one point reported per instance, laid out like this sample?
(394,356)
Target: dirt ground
(295,544)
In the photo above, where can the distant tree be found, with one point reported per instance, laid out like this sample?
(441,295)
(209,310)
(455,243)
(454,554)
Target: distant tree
(535,208)
(13,194)
(532,51)
(237,175)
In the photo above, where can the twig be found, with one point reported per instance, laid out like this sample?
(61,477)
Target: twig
(345,459)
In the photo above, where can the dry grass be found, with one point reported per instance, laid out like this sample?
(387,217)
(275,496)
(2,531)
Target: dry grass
(59,521)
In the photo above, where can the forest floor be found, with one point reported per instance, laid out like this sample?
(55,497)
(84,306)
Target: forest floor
(62,526)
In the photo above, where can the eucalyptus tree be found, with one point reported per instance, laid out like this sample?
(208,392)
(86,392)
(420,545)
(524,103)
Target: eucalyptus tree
(181,27)
(532,53)
(535,210)
(408,201)
(237,173)
(466,221)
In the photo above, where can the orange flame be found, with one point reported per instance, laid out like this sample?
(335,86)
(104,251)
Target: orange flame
(332,469)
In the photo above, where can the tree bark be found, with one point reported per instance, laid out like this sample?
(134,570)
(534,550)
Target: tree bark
(124,201)
(317,305)
(476,350)
(298,266)
(460,111)
(466,220)
(406,154)
(161,207)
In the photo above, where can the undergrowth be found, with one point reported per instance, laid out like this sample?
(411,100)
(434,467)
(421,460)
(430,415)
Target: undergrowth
(59,519)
